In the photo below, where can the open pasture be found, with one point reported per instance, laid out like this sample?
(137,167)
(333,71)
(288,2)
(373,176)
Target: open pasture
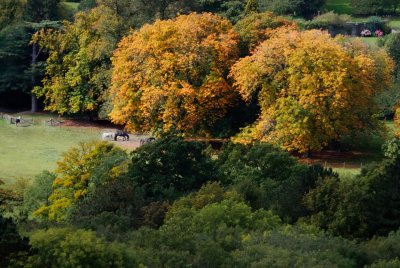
(339,6)
(26,151)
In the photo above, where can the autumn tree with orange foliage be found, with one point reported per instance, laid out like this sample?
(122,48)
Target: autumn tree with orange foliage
(311,88)
(171,76)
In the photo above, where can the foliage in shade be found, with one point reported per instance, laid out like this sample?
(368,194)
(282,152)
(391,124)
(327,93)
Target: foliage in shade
(269,178)
(256,27)
(171,76)
(251,6)
(170,168)
(39,10)
(10,12)
(15,57)
(365,206)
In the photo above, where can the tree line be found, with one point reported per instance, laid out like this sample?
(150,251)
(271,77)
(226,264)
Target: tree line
(200,74)
(174,203)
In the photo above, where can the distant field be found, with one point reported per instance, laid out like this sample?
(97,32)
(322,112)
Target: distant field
(339,6)
(26,151)
(348,164)
(394,24)
(370,40)
(72,5)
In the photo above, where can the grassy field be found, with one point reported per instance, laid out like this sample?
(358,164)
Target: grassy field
(72,5)
(394,24)
(370,40)
(26,151)
(339,6)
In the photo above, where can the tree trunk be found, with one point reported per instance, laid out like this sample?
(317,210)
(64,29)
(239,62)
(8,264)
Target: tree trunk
(33,78)
(162,9)
(33,103)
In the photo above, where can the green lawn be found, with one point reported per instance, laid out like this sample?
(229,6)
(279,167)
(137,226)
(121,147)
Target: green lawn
(370,40)
(339,6)
(26,151)
(367,150)
(72,5)
(394,24)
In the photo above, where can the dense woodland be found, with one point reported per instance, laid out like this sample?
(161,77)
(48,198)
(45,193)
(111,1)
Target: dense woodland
(274,85)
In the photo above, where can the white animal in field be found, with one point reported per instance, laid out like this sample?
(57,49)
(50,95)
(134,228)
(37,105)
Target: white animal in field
(107,136)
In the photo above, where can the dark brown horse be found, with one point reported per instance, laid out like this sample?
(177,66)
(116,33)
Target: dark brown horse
(121,133)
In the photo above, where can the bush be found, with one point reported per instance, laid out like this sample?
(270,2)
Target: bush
(362,207)
(268,177)
(76,248)
(38,193)
(375,23)
(253,29)
(326,20)
(170,167)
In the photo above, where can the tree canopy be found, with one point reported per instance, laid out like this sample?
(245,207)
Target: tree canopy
(78,67)
(312,88)
(172,75)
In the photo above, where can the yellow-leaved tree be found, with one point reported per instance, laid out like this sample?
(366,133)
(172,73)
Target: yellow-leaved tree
(172,75)
(82,169)
(312,88)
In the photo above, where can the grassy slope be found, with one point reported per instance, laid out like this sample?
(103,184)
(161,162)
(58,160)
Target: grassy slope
(370,40)
(339,6)
(395,24)
(72,5)
(26,151)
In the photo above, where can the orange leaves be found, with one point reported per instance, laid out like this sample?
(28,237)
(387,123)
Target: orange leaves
(311,88)
(171,76)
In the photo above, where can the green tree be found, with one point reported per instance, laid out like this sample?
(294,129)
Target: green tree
(391,43)
(76,248)
(15,58)
(255,28)
(11,243)
(169,168)
(251,6)
(39,10)
(78,66)
(38,193)
(10,12)
(79,172)
(269,178)
(365,206)
(304,8)
(230,9)
(374,7)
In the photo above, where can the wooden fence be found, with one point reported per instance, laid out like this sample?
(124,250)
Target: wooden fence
(52,122)
(12,119)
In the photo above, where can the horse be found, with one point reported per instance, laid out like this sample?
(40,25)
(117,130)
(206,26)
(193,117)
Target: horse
(107,136)
(121,133)
(146,140)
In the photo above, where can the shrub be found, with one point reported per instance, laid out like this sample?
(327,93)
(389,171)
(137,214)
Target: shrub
(66,247)
(170,167)
(268,177)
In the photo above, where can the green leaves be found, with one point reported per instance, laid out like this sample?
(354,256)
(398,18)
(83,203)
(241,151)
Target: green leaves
(78,66)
